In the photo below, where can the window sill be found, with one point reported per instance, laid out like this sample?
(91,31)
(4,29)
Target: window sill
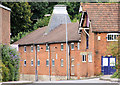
(84,61)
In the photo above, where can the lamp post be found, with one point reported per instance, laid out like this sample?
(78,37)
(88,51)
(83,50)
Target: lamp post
(66,46)
(49,53)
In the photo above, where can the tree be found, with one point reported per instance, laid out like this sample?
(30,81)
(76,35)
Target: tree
(20,16)
(114,49)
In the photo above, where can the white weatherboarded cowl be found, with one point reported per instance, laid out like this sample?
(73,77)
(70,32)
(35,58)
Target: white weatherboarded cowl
(59,16)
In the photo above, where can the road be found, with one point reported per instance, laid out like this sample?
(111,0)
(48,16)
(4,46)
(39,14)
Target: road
(94,81)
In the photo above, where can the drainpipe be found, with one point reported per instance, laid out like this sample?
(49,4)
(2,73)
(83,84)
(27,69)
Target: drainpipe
(49,62)
(69,60)
(36,74)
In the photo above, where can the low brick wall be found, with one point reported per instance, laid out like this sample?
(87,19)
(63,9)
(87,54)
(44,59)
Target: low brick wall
(27,77)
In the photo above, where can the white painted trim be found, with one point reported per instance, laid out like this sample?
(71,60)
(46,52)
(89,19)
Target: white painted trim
(1,6)
(113,35)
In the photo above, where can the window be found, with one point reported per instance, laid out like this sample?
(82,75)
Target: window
(24,62)
(47,62)
(61,62)
(112,36)
(32,62)
(31,48)
(72,46)
(83,58)
(89,57)
(61,46)
(38,62)
(24,48)
(47,47)
(87,41)
(38,48)
(72,62)
(53,62)
(78,46)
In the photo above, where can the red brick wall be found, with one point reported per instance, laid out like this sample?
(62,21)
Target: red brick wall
(4,26)
(80,69)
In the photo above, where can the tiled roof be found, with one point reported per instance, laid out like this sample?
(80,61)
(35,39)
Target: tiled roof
(57,35)
(103,16)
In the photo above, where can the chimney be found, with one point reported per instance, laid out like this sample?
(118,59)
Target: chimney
(59,16)
(4,25)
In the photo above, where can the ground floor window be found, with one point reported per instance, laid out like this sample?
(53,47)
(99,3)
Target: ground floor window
(53,62)
(72,62)
(83,58)
(47,62)
(24,62)
(38,62)
(61,62)
(32,62)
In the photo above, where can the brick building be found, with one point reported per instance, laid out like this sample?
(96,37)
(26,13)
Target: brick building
(43,51)
(4,25)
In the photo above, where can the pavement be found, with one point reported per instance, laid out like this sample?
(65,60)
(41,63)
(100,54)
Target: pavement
(107,78)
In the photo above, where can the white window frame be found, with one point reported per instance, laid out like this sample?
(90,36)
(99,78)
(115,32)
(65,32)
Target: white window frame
(25,48)
(39,63)
(61,61)
(46,47)
(78,45)
(31,48)
(72,60)
(48,62)
(63,46)
(52,62)
(37,48)
(24,62)
(31,62)
(90,58)
(113,36)
(71,46)
(83,55)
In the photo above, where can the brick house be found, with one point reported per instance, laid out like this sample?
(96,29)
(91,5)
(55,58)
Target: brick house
(43,51)
(4,25)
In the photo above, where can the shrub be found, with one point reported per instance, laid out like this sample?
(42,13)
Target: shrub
(5,73)
(10,60)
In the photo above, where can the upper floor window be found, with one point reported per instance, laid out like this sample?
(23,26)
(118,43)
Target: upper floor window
(61,46)
(31,48)
(24,62)
(89,57)
(47,47)
(83,58)
(38,62)
(53,62)
(38,48)
(72,46)
(112,36)
(78,46)
(24,48)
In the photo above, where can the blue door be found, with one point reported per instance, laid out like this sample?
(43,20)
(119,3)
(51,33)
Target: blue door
(108,65)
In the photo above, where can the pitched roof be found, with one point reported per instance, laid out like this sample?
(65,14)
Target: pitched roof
(103,16)
(57,35)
